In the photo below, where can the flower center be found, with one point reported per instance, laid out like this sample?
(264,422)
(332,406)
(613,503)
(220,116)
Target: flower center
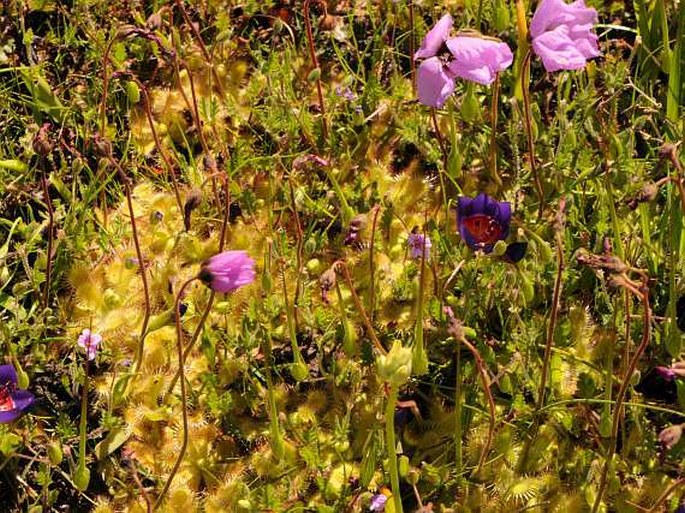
(483,228)
(6,402)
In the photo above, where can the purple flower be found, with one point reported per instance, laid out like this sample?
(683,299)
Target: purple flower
(666,373)
(418,244)
(13,402)
(677,370)
(378,502)
(435,38)
(227,271)
(482,221)
(562,34)
(90,342)
(434,82)
(478,59)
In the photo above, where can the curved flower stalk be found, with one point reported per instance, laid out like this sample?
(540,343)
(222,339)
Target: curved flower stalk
(482,221)
(224,272)
(13,402)
(468,55)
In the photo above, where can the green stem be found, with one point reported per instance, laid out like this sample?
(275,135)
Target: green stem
(493,138)
(274,427)
(391,445)
(419,357)
(83,425)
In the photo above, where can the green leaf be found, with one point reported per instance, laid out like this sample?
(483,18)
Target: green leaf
(114,439)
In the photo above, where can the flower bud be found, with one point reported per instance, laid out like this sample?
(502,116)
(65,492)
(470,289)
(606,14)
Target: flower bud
(55,453)
(395,367)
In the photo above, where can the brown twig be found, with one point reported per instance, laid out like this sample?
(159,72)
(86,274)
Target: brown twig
(340,264)
(525,77)
(315,64)
(184,399)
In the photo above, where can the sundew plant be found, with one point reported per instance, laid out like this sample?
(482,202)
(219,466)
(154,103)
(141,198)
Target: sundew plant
(342,256)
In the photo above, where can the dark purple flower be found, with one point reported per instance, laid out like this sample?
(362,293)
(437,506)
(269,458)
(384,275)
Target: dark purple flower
(562,34)
(478,59)
(418,244)
(13,402)
(482,221)
(90,342)
(228,271)
(378,502)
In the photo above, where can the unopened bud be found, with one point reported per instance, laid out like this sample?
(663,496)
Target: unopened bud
(41,143)
(395,367)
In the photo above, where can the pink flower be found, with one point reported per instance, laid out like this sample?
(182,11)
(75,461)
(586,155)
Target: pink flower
(228,271)
(435,38)
(562,34)
(677,370)
(470,57)
(478,59)
(90,342)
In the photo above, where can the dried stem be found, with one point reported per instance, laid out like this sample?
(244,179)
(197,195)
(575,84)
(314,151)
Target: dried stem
(620,397)
(525,78)
(315,64)
(340,264)
(372,270)
(51,234)
(141,261)
(552,321)
(184,398)
(158,144)
(210,301)
(493,138)
(203,48)
(485,379)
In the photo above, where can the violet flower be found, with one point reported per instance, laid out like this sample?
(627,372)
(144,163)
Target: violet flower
(418,244)
(562,34)
(90,342)
(378,502)
(482,221)
(227,271)
(478,59)
(13,402)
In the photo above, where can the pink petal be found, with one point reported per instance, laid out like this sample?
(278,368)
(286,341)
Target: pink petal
(434,83)
(435,38)
(478,59)
(558,51)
